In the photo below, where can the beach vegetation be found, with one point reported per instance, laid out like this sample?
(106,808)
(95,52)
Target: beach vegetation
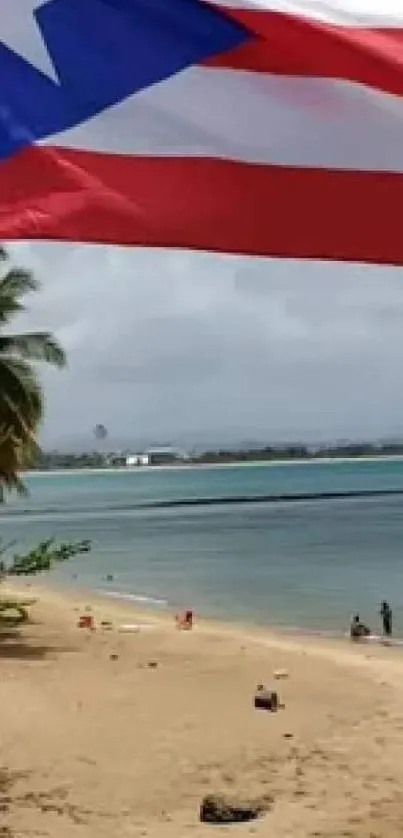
(21,392)
(39,559)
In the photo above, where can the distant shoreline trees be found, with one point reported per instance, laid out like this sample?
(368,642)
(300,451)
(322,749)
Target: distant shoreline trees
(49,461)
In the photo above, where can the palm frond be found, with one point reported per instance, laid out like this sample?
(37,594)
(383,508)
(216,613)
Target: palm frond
(14,285)
(21,397)
(16,423)
(17,282)
(11,464)
(34,346)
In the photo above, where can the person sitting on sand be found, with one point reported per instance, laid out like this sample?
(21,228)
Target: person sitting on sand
(358,629)
(185,620)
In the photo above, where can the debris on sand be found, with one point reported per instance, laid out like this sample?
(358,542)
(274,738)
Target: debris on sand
(281,674)
(265,699)
(220,808)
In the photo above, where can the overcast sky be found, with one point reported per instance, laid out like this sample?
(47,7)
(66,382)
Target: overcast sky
(195,348)
(177,347)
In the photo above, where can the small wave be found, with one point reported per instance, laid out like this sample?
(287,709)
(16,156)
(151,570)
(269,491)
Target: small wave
(288,497)
(141,598)
(211,500)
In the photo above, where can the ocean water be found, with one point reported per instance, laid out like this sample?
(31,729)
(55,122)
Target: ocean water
(268,544)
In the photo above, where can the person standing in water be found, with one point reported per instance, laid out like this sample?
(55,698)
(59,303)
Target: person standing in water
(386,614)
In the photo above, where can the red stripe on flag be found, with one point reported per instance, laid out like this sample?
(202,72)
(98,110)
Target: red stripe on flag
(203,204)
(289,45)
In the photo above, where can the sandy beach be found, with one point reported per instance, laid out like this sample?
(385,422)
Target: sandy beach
(94,745)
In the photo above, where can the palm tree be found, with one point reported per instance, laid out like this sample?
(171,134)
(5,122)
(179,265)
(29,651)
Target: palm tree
(21,395)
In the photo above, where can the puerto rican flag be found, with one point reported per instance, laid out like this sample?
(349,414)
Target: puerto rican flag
(266,127)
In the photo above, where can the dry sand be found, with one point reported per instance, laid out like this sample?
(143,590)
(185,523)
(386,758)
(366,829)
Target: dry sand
(99,748)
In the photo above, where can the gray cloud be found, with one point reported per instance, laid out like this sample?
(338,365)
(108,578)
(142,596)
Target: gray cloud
(168,345)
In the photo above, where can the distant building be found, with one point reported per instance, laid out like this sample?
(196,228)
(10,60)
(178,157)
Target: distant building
(132,460)
(137,460)
(155,457)
(115,460)
(164,456)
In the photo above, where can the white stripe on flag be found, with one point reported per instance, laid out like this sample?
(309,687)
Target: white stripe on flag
(253,118)
(342,12)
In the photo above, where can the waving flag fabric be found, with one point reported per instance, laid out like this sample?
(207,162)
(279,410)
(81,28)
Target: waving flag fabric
(268,127)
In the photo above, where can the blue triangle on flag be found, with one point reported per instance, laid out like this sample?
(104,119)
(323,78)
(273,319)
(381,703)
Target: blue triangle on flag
(103,52)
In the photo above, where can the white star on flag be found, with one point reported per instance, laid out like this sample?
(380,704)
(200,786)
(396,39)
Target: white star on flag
(20,32)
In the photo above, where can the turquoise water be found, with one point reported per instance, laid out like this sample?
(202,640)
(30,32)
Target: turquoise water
(293,561)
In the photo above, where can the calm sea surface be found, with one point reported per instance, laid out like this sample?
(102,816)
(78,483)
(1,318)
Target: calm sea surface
(281,558)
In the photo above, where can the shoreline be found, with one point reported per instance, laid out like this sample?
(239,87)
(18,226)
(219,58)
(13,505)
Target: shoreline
(162,610)
(259,634)
(111,734)
(205,466)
